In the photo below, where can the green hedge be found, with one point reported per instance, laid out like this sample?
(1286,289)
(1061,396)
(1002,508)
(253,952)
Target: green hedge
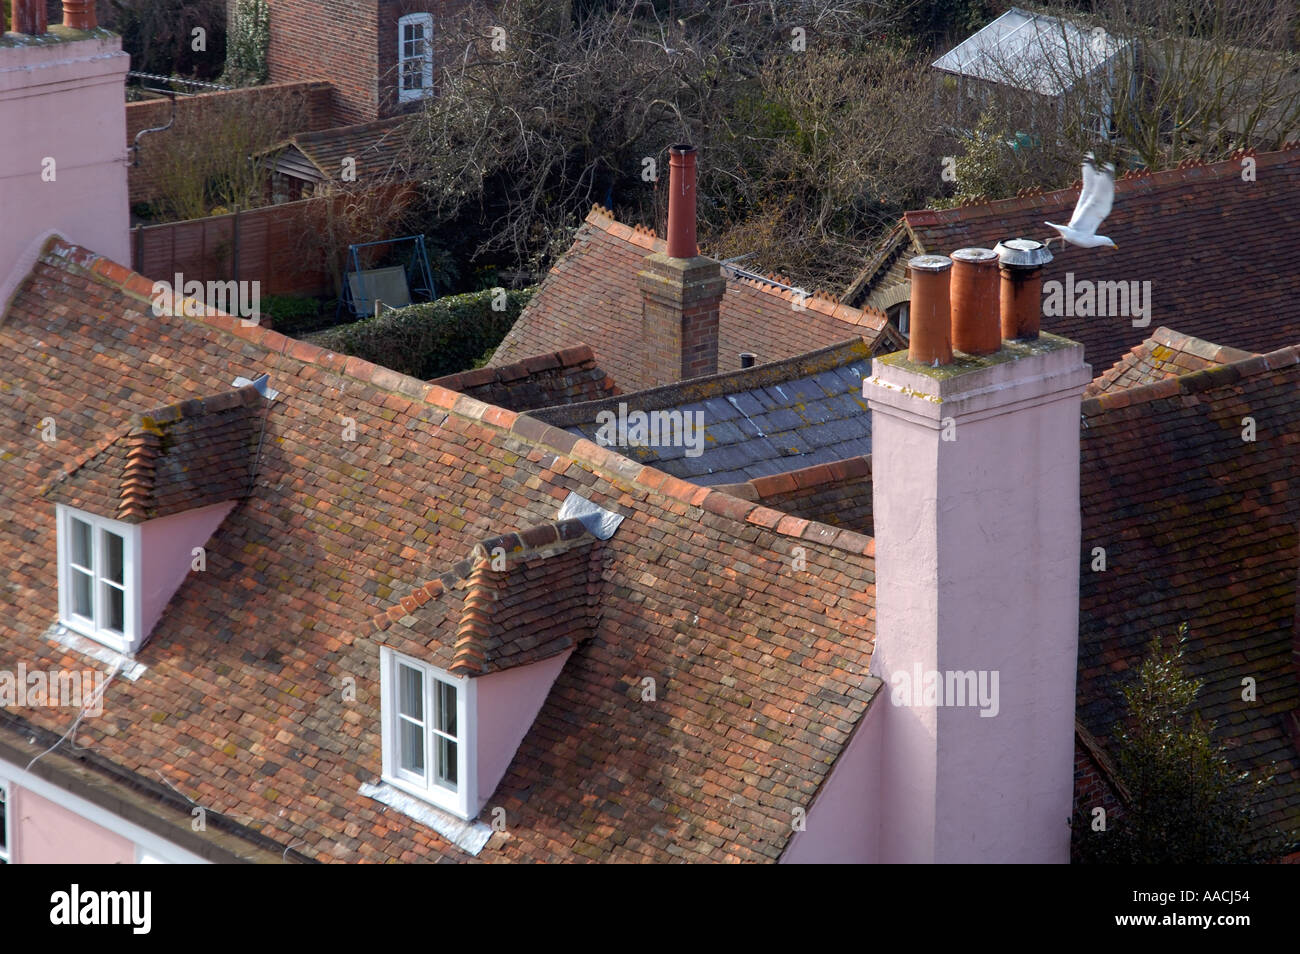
(432,339)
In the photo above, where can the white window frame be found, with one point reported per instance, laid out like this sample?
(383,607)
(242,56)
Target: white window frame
(128,639)
(6,829)
(461,802)
(425,20)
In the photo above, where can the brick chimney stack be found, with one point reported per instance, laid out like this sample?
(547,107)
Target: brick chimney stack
(977,530)
(681,290)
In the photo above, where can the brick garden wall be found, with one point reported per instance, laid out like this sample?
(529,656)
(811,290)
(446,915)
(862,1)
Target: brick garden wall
(311,100)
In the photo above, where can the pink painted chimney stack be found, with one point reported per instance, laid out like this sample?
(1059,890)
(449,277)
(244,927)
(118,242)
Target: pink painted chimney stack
(976,505)
(63,150)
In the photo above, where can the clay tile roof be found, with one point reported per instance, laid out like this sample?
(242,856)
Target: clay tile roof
(1198,526)
(169,460)
(368,483)
(517,599)
(563,377)
(1166,354)
(1222,252)
(591,296)
(769,419)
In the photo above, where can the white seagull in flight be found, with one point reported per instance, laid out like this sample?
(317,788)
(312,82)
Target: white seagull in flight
(1095,200)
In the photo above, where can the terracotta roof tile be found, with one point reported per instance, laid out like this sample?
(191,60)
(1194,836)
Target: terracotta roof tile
(306,579)
(1166,354)
(591,297)
(172,459)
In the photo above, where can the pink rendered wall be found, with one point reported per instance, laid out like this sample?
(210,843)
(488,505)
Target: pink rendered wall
(167,544)
(843,825)
(977,557)
(61,99)
(507,703)
(46,833)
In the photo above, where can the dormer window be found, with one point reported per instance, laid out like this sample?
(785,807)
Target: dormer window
(414,56)
(99,592)
(427,732)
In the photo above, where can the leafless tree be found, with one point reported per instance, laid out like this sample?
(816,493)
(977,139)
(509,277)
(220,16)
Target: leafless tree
(1154,82)
(544,109)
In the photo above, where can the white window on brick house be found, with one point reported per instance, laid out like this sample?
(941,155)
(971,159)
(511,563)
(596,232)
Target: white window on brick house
(428,737)
(414,56)
(99,590)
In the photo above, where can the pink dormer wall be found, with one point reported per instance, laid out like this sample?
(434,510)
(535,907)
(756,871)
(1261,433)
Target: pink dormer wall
(61,98)
(506,703)
(167,556)
(843,824)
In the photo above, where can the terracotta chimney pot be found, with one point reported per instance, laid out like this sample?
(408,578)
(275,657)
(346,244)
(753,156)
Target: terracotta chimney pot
(1022,262)
(29,17)
(79,14)
(976,328)
(930,318)
(681,202)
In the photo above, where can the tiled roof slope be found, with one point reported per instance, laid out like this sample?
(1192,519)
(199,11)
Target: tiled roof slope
(760,671)
(769,419)
(838,493)
(1198,525)
(1222,254)
(172,459)
(591,296)
(476,619)
(564,377)
(1165,354)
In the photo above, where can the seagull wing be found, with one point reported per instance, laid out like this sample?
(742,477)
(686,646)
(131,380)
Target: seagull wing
(1095,200)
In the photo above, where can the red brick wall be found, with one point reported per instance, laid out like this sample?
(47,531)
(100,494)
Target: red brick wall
(333,40)
(1091,787)
(700,339)
(316,110)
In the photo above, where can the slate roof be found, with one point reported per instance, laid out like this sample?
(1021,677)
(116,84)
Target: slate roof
(1198,525)
(169,460)
(318,156)
(1222,254)
(769,419)
(591,297)
(1166,354)
(562,377)
(761,676)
